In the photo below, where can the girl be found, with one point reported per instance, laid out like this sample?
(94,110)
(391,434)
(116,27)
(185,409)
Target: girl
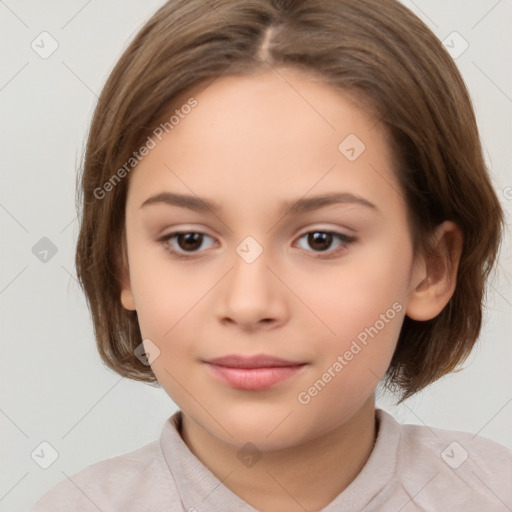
(323,162)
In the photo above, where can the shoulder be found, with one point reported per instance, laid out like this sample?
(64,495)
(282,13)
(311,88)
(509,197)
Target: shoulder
(456,448)
(453,468)
(138,480)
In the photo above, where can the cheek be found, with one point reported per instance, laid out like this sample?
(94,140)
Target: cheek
(170,306)
(365,290)
(362,307)
(165,292)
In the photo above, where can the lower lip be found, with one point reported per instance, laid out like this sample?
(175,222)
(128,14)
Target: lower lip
(254,379)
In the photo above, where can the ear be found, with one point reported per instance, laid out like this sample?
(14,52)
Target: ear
(127,299)
(435,276)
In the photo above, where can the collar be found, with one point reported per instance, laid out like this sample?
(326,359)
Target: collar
(199,489)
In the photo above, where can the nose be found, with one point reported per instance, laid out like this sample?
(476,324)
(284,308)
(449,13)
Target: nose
(252,296)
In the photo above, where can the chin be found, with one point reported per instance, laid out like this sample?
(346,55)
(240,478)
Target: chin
(267,430)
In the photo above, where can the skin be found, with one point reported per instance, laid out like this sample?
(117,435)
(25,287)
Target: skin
(250,144)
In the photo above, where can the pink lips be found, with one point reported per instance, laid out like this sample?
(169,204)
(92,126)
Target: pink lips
(254,373)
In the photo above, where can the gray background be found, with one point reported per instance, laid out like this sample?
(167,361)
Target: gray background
(53,386)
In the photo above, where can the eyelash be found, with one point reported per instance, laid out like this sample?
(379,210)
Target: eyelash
(347,241)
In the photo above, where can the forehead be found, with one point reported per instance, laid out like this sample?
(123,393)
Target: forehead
(276,133)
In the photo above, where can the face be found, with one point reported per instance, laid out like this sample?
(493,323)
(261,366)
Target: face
(275,292)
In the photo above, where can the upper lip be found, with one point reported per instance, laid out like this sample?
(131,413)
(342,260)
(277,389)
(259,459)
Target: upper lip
(257,361)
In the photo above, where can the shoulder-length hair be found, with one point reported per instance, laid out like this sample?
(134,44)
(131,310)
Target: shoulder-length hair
(376,49)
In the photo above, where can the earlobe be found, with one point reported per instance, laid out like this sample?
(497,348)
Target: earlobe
(433,292)
(127,299)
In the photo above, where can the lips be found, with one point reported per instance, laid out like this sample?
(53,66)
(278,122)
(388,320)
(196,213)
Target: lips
(259,361)
(253,373)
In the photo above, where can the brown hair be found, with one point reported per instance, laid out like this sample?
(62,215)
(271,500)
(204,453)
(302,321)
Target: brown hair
(375,48)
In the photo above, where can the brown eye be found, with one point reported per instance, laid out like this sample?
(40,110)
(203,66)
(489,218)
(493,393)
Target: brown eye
(321,241)
(184,242)
(189,241)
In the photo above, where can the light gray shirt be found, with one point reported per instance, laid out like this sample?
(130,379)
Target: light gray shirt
(411,468)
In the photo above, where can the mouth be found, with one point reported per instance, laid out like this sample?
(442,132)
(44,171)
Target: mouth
(255,373)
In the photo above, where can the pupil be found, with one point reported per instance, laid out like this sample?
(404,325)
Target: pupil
(323,239)
(189,237)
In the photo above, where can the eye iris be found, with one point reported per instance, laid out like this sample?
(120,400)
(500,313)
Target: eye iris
(195,238)
(323,239)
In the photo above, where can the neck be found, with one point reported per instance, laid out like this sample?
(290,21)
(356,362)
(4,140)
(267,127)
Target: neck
(304,477)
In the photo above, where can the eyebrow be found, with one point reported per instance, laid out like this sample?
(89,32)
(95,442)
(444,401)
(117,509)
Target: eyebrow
(298,206)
